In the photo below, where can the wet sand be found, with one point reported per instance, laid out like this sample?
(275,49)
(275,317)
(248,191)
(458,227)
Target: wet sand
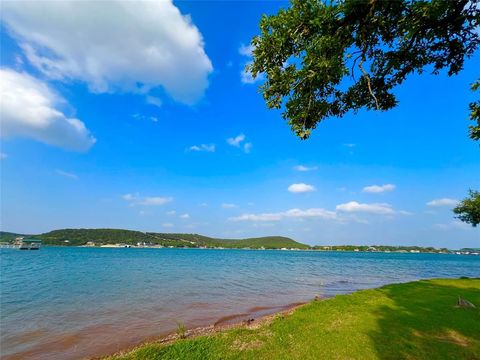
(74,345)
(254,318)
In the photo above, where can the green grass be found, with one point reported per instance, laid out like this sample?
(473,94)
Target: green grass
(417,320)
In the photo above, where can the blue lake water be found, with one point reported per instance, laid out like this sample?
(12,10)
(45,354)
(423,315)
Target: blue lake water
(72,303)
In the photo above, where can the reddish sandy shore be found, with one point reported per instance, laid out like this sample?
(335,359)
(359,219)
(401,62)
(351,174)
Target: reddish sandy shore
(254,318)
(66,346)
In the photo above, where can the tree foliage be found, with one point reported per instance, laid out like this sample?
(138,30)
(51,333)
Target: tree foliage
(475,114)
(469,209)
(323,59)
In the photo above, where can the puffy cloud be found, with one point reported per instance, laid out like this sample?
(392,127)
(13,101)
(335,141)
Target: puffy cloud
(350,145)
(185,216)
(130,46)
(374,208)
(171,212)
(443,202)
(305,168)
(311,213)
(292,213)
(146,201)
(379,188)
(235,141)
(29,109)
(203,147)
(245,76)
(67,174)
(246,50)
(301,188)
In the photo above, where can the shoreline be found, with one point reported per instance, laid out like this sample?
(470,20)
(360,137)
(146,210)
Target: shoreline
(450,252)
(246,320)
(316,327)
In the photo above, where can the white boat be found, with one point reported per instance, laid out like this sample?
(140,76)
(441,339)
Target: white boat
(30,244)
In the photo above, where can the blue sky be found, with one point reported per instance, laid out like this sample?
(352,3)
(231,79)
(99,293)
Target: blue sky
(150,125)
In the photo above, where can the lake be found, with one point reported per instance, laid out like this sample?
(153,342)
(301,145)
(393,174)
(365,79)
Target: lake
(72,303)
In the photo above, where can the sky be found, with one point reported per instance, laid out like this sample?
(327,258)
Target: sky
(139,115)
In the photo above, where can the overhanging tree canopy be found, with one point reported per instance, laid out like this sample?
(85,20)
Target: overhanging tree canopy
(469,209)
(322,60)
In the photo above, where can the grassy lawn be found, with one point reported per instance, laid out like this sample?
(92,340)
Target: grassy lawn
(417,320)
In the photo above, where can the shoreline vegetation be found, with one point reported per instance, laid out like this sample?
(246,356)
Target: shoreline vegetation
(424,319)
(119,238)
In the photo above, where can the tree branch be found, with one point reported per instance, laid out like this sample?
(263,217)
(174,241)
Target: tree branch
(367,77)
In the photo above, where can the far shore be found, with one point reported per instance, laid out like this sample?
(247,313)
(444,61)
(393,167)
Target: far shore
(120,246)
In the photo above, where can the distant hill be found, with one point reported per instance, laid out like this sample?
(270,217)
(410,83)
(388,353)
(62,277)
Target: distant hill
(9,236)
(76,237)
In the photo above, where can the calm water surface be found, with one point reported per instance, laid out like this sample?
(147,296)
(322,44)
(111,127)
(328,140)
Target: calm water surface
(72,303)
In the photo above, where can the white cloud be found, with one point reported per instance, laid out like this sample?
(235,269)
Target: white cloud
(443,202)
(67,174)
(350,145)
(129,197)
(228,206)
(155,200)
(311,213)
(153,100)
(246,50)
(128,46)
(379,188)
(245,76)
(137,116)
(167,225)
(203,147)
(374,208)
(258,217)
(305,168)
(301,188)
(28,108)
(235,141)
(3,155)
(185,216)
(171,212)
(146,201)
(292,213)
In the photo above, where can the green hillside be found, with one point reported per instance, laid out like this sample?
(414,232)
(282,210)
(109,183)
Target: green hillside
(9,236)
(76,237)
